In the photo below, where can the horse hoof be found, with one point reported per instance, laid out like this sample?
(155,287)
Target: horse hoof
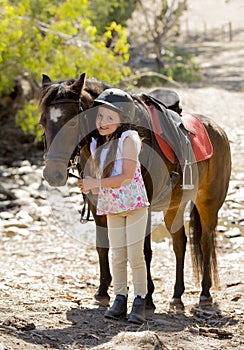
(150,309)
(176,304)
(102,300)
(205,300)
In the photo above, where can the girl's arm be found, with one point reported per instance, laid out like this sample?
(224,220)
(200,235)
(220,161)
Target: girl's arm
(128,170)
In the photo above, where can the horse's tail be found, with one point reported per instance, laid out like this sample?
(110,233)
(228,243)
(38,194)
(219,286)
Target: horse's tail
(195,228)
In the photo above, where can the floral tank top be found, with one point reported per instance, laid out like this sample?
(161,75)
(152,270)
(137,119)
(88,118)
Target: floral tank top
(128,197)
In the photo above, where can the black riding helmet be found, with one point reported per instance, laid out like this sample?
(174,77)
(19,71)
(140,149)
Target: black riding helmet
(118,100)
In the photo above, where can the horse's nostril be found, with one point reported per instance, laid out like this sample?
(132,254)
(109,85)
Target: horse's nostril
(55,174)
(59,176)
(54,179)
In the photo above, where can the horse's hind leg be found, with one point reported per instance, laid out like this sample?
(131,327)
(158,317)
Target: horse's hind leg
(204,245)
(207,243)
(214,175)
(150,307)
(175,224)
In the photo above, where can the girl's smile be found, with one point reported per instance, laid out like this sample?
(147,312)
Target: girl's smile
(107,121)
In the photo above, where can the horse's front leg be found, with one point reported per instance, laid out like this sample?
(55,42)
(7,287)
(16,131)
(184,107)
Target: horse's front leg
(179,247)
(150,307)
(102,246)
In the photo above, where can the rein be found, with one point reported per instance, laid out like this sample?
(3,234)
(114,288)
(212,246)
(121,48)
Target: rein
(75,163)
(85,212)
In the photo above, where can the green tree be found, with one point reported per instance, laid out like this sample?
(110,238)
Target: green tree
(56,38)
(104,12)
(160,20)
(64,45)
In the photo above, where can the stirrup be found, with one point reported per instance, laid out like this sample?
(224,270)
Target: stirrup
(190,185)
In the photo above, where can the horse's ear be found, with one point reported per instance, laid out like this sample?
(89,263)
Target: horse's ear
(78,84)
(45,79)
(83,78)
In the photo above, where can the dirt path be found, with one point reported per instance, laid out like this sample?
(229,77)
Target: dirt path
(47,286)
(221,63)
(48,277)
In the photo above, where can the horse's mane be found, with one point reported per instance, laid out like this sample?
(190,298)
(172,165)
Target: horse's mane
(51,91)
(59,90)
(95,87)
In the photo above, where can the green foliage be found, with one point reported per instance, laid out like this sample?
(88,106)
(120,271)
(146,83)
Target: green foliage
(161,20)
(180,66)
(104,12)
(28,118)
(56,38)
(117,33)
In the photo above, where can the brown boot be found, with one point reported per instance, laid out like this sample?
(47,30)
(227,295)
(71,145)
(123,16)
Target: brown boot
(138,311)
(118,309)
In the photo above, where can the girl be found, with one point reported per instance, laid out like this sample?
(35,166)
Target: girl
(121,196)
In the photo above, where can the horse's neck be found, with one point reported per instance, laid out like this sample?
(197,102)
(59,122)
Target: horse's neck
(85,152)
(85,158)
(95,87)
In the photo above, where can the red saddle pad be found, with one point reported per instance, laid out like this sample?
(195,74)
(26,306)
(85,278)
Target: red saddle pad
(201,143)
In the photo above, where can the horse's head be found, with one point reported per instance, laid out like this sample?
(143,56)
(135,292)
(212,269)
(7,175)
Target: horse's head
(62,108)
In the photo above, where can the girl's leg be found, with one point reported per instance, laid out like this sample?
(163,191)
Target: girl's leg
(136,228)
(117,240)
(135,234)
(116,232)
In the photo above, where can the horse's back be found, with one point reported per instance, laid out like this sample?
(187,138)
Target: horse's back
(219,140)
(215,180)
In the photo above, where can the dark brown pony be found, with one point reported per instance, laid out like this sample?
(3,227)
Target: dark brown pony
(68,121)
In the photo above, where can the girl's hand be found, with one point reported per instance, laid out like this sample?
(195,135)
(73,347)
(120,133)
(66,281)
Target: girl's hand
(87,184)
(81,186)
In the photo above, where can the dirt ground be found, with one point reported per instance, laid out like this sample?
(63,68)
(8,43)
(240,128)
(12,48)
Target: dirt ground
(49,275)
(48,280)
(49,267)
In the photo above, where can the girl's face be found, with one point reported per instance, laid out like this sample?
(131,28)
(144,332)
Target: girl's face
(107,121)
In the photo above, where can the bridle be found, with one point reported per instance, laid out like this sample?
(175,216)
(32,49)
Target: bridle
(74,161)
(56,156)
